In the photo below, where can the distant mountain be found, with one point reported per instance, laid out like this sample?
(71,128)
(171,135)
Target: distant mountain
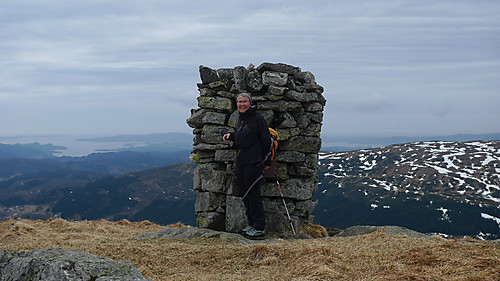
(173,142)
(183,141)
(31,151)
(163,195)
(447,187)
(117,163)
(178,138)
(12,167)
(357,142)
(112,163)
(28,186)
(165,142)
(431,187)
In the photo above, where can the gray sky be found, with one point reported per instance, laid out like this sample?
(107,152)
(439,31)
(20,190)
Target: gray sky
(409,68)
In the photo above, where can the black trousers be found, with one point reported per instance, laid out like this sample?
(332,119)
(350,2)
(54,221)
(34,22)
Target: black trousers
(246,176)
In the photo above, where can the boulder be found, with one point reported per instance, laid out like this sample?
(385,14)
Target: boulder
(357,230)
(187,233)
(63,265)
(365,229)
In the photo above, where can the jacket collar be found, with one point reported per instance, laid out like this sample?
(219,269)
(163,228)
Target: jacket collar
(250,112)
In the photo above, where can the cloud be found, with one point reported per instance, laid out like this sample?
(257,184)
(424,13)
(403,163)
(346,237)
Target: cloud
(377,60)
(367,102)
(441,109)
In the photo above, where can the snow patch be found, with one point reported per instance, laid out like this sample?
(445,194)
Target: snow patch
(368,165)
(439,169)
(490,217)
(445,216)
(386,186)
(488,160)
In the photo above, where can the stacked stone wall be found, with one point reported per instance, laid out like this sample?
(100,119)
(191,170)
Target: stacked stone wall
(278,90)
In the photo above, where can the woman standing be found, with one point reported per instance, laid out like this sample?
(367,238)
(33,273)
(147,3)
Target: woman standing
(252,141)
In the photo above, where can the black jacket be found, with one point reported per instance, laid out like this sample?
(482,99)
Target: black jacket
(251,139)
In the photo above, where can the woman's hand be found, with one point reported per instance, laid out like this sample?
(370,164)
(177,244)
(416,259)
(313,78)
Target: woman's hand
(225,138)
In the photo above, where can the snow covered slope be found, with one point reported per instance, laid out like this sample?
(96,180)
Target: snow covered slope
(448,187)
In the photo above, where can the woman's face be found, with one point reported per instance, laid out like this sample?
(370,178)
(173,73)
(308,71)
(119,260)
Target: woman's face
(243,104)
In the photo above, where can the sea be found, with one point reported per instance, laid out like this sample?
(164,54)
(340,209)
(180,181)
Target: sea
(72,145)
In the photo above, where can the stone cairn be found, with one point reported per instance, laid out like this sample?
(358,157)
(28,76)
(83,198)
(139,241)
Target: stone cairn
(277,90)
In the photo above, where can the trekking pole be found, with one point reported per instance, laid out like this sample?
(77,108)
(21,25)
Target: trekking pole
(286,208)
(254,182)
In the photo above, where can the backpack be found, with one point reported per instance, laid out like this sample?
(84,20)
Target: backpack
(275,137)
(270,174)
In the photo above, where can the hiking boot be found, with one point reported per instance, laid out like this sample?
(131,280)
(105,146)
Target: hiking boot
(255,234)
(246,229)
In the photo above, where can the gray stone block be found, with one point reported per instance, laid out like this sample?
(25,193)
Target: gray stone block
(212,178)
(276,217)
(281,105)
(274,78)
(218,103)
(277,91)
(302,96)
(235,214)
(240,77)
(225,155)
(209,201)
(208,75)
(212,134)
(212,220)
(214,118)
(290,156)
(254,79)
(279,67)
(302,144)
(293,188)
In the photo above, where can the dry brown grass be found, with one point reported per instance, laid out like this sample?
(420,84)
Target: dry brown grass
(375,256)
(315,230)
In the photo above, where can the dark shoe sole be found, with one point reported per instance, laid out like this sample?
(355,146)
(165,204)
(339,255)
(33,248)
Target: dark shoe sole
(254,237)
